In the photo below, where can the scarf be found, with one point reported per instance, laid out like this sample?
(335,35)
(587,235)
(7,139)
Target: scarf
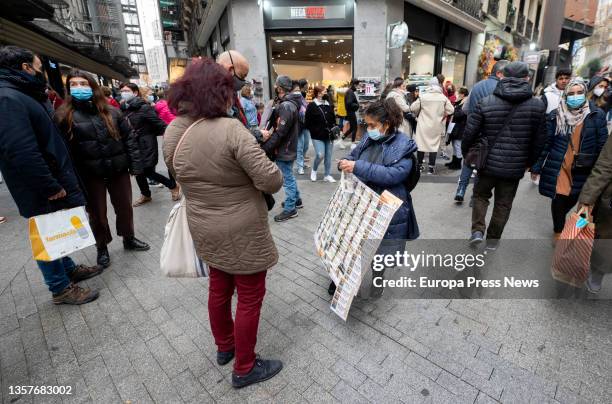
(26,83)
(568,119)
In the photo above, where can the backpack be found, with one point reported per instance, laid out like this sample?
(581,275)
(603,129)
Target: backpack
(415,174)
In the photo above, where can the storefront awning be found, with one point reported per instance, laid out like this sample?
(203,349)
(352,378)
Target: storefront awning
(444,9)
(16,34)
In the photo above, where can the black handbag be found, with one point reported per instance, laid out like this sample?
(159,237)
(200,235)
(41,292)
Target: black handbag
(583,162)
(476,157)
(334,132)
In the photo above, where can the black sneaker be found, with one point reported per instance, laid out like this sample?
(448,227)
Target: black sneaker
(430,170)
(132,243)
(285,216)
(476,237)
(263,370)
(223,358)
(492,244)
(103,257)
(298,204)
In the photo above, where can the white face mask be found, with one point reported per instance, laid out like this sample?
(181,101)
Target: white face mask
(598,91)
(127,95)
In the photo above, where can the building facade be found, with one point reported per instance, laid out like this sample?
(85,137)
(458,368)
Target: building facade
(66,34)
(331,41)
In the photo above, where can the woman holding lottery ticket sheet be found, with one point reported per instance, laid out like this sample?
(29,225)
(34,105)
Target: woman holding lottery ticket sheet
(383,161)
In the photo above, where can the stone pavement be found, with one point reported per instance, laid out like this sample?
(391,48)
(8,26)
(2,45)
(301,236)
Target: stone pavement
(147,338)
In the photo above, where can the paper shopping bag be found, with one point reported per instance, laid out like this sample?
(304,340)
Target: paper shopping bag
(572,258)
(58,234)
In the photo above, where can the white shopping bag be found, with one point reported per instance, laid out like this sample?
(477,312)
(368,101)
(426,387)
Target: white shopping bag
(58,234)
(178,258)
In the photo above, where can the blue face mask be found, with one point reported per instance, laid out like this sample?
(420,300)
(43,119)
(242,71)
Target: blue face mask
(575,101)
(81,93)
(230,112)
(375,134)
(150,98)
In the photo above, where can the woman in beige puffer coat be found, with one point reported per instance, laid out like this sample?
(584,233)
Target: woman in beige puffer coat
(223,172)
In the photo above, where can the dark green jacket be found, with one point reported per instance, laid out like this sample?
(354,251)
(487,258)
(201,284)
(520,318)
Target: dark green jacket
(598,191)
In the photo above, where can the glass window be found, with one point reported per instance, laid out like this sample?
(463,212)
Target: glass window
(418,58)
(453,66)
(130,19)
(134,39)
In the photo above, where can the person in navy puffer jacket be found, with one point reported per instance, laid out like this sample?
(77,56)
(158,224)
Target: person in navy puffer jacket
(577,126)
(383,161)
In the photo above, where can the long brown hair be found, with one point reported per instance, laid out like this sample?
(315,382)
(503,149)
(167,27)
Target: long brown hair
(65,112)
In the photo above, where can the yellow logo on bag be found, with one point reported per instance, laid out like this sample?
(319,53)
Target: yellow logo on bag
(78,225)
(78,229)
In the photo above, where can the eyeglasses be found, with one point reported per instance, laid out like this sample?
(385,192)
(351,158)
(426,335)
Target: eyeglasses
(234,66)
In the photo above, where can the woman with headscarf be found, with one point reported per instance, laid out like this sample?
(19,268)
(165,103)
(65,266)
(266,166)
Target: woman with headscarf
(576,134)
(431,109)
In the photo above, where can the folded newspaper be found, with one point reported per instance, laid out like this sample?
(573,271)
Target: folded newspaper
(354,223)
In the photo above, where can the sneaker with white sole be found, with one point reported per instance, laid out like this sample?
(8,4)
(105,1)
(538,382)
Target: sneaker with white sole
(329,178)
(300,171)
(313,175)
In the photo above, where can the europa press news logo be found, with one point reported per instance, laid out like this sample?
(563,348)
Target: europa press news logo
(78,229)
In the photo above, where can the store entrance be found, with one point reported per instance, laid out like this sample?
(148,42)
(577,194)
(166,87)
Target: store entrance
(321,59)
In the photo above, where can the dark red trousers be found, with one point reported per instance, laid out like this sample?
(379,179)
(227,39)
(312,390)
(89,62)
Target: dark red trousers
(240,335)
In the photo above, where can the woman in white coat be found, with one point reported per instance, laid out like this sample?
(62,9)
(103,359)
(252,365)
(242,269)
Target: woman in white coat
(431,108)
(398,94)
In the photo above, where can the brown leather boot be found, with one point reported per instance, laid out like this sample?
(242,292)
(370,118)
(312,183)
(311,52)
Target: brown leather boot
(82,272)
(76,295)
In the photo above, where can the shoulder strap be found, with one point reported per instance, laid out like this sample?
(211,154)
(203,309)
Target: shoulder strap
(180,142)
(323,112)
(506,122)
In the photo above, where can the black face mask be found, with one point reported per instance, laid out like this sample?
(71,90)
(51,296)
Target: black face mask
(238,83)
(326,97)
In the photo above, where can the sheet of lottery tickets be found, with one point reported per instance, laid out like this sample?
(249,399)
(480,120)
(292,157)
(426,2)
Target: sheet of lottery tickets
(354,223)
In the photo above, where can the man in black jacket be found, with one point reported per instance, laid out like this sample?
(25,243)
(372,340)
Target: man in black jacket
(35,163)
(513,122)
(282,145)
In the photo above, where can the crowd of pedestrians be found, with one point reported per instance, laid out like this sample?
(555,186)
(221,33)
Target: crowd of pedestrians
(230,155)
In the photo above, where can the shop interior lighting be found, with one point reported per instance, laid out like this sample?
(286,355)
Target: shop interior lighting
(296,40)
(324,40)
(293,50)
(279,40)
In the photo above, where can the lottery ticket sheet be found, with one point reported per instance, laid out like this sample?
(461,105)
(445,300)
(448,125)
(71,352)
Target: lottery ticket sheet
(353,225)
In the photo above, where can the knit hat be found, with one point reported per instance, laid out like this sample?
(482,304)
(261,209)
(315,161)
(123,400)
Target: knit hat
(285,83)
(518,70)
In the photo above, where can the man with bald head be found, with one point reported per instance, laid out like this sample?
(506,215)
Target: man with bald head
(238,66)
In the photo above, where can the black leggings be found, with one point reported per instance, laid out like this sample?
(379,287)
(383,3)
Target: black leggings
(559,207)
(432,158)
(150,173)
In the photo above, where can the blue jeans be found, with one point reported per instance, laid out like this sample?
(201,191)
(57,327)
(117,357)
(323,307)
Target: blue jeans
(56,273)
(464,178)
(323,148)
(302,147)
(292,194)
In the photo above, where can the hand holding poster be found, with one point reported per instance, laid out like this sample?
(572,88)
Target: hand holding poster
(352,227)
